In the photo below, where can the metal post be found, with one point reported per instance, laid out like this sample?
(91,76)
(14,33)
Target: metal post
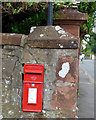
(50,14)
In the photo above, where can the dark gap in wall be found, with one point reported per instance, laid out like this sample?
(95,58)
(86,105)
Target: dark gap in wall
(22,89)
(1,46)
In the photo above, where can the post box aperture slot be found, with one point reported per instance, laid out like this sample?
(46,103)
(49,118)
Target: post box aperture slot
(34,73)
(33,76)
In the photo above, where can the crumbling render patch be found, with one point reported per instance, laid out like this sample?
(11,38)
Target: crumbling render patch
(65,69)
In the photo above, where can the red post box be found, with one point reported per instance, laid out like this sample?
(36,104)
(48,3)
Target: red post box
(33,87)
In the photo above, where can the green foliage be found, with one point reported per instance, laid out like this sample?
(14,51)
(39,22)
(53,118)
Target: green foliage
(90,8)
(9,5)
(35,15)
(87,51)
(14,11)
(21,22)
(55,16)
(91,46)
(92,43)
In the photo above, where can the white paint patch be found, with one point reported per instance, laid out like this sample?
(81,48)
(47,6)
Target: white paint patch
(61,31)
(6,101)
(65,69)
(72,42)
(63,35)
(72,84)
(76,116)
(72,37)
(13,34)
(61,46)
(1,116)
(32,29)
(34,62)
(77,108)
(41,35)
(5,86)
(21,116)
(28,62)
(44,111)
(20,73)
(73,110)
(45,89)
(10,112)
(58,28)
(7,82)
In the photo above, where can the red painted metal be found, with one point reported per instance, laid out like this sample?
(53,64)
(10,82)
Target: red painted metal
(33,87)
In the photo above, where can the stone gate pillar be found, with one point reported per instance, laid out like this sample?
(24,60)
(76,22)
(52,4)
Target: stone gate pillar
(70,19)
(57,50)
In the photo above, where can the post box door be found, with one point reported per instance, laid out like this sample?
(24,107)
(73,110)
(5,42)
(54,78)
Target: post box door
(32,97)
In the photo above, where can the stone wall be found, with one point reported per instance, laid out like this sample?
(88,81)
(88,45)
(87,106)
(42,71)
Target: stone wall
(60,85)
(11,75)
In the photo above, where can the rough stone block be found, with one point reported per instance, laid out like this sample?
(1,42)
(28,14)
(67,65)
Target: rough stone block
(64,98)
(6,91)
(12,51)
(11,101)
(28,56)
(16,97)
(0,52)
(8,66)
(10,111)
(17,76)
(47,94)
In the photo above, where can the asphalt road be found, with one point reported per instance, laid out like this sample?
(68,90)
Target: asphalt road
(86,89)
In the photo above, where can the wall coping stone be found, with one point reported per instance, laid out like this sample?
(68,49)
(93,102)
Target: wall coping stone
(71,14)
(11,39)
(52,37)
